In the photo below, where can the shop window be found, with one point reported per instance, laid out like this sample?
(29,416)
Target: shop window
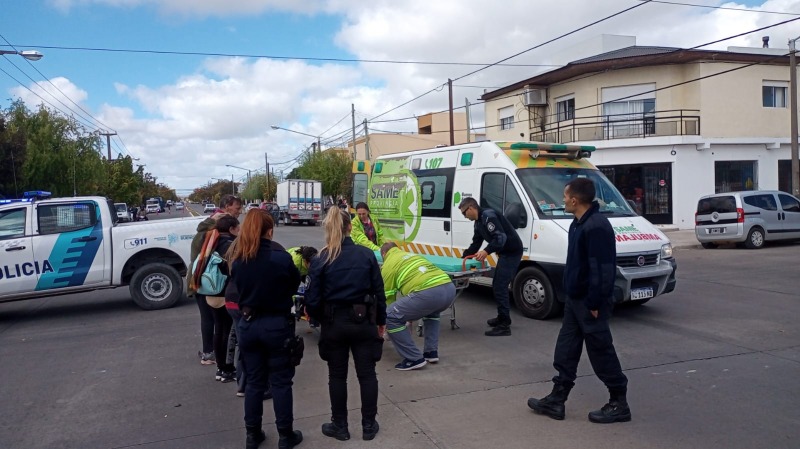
(733,176)
(785,175)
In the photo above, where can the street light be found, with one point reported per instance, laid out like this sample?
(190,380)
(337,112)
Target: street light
(31,55)
(276,127)
(240,168)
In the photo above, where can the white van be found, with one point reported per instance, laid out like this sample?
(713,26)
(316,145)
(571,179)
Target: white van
(415,196)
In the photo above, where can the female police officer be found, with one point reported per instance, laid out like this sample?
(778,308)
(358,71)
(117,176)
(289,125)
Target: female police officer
(266,279)
(346,295)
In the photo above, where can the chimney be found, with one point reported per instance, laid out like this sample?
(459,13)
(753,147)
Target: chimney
(765,40)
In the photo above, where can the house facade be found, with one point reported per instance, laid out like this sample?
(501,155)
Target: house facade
(670,125)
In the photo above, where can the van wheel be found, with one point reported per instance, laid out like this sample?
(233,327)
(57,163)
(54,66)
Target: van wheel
(534,295)
(156,286)
(709,245)
(755,238)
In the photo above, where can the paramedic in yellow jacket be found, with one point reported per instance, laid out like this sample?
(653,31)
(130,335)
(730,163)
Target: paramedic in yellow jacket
(366,230)
(301,256)
(424,292)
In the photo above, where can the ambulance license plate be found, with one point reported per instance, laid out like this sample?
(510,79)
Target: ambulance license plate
(642,293)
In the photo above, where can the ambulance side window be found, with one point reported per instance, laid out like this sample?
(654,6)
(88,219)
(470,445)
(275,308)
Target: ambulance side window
(12,224)
(436,191)
(60,218)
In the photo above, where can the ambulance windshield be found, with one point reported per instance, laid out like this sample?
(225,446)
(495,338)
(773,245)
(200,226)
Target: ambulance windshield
(545,186)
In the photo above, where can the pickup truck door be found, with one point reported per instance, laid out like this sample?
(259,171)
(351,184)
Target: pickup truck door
(17,269)
(70,237)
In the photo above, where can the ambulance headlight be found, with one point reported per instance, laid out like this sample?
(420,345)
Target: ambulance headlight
(666,251)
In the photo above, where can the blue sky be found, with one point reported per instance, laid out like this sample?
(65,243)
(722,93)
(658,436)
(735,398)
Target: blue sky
(186,116)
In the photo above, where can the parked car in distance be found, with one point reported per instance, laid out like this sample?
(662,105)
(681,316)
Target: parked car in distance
(123,212)
(747,218)
(251,206)
(209,208)
(152,209)
(179,205)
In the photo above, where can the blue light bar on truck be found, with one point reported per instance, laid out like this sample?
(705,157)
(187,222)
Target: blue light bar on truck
(37,194)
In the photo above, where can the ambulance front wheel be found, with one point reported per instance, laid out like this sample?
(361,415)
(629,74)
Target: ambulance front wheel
(534,295)
(156,286)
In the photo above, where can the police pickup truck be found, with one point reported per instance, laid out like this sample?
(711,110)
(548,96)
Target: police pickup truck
(67,245)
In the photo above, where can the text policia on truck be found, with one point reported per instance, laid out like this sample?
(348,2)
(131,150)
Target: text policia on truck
(69,245)
(415,195)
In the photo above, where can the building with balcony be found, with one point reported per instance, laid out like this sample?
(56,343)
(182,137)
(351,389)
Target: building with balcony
(669,124)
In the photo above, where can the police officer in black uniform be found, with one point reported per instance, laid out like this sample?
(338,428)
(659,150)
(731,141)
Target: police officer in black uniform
(266,279)
(502,239)
(346,295)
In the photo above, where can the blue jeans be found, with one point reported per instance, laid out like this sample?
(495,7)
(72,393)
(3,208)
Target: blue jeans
(504,273)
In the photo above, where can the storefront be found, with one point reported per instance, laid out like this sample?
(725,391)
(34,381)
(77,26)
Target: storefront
(647,187)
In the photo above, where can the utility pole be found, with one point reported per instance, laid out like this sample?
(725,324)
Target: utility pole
(450,94)
(469,126)
(366,140)
(793,117)
(108,142)
(353,114)
(266,173)
(233,186)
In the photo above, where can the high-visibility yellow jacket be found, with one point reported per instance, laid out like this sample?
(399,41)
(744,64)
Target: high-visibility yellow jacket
(407,273)
(298,260)
(358,236)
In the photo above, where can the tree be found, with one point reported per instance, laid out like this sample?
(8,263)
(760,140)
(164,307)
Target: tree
(331,168)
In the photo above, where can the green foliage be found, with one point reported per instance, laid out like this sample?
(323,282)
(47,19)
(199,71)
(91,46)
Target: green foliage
(257,189)
(43,150)
(331,168)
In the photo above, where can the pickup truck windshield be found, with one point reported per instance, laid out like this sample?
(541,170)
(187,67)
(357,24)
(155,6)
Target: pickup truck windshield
(545,186)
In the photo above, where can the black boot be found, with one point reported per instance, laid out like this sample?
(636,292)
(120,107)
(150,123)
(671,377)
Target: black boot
(616,410)
(255,436)
(551,405)
(501,330)
(370,427)
(334,430)
(289,438)
(494,322)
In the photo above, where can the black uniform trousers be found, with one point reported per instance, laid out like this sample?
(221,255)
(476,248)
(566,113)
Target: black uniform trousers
(265,357)
(341,335)
(504,273)
(577,328)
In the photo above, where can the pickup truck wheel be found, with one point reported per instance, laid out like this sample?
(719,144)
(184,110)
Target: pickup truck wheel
(156,286)
(534,295)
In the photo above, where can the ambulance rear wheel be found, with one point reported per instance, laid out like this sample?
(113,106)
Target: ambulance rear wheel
(534,295)
(156,286)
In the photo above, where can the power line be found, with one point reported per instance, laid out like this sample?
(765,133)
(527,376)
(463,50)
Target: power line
(644,2)
(255,56)
(728,8)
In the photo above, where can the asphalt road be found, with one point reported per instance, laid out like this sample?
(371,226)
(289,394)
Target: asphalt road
(716,364)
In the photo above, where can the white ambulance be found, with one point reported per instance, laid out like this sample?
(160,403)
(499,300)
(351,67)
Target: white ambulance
(415,196)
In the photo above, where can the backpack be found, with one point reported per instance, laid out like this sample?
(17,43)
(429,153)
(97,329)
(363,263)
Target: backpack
(212,281)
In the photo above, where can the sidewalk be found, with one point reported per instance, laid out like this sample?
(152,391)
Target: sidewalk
(680,238)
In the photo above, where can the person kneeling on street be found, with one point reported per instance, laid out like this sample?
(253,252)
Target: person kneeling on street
(425,291)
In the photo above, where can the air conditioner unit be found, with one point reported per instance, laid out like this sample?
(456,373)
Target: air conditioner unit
(534,97)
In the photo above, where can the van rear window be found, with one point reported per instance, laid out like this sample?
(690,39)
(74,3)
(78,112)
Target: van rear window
(719,204)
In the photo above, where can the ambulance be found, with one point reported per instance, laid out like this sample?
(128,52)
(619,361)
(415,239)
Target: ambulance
(415,196)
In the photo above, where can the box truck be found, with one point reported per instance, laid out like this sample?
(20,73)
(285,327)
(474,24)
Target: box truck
(300,201)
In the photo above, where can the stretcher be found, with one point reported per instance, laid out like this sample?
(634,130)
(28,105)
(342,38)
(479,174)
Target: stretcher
(460,272)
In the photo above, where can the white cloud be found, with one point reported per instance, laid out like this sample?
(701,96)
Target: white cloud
(221,111)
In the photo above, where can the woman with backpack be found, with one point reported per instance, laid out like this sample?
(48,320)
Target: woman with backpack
(228,228)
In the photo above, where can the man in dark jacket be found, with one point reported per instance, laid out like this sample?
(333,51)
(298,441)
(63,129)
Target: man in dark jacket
(589,285)
(502,239)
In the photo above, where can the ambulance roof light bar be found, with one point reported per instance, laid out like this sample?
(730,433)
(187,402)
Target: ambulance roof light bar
(555,150)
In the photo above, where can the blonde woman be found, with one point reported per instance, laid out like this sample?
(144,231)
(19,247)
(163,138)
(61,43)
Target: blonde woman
(346,296)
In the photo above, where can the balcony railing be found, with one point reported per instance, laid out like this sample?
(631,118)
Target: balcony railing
(678,122)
